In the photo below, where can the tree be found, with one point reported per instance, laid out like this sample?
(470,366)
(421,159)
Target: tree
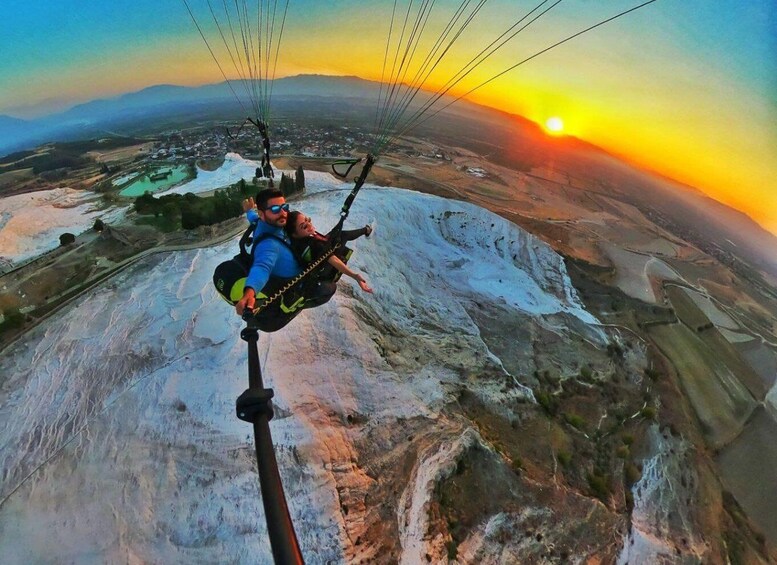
(286,185)
(98,225)
(299,179)
(169,211)
(190,218)
(145,203)
(12,319)
(66,239)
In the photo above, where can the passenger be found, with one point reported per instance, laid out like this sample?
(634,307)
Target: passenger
(309,245)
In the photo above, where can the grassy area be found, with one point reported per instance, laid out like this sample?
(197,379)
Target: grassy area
(719,400)
(13,157)
(12,320)
(10,178)
(734,360)
(102,144)
(686,309)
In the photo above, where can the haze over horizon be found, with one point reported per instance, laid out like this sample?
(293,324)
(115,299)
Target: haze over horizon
(685,89)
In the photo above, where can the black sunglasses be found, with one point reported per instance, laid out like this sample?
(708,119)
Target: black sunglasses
(276,208)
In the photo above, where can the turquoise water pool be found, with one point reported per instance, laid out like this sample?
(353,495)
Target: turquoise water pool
(142,184)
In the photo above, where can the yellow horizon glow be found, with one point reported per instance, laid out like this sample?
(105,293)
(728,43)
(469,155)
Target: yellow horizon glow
(651,138)
(685,135)
(679,123)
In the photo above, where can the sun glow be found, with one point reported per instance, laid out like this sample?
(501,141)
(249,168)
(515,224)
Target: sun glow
(554,125)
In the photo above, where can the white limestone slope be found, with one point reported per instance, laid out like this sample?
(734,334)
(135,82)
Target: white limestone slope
(30,224)
(665,498)
(117,425)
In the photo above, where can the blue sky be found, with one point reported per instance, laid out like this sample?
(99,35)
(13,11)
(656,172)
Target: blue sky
(57,37)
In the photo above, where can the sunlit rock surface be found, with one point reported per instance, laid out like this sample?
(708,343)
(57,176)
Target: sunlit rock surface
(667,502)
(120,444)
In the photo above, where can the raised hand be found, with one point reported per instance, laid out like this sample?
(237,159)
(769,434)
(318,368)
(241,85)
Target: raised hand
(248,204)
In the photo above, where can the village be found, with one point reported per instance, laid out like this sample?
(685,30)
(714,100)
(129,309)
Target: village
(290,139)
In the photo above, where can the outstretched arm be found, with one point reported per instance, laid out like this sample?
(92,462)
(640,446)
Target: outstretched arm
(265,256)
(343,268)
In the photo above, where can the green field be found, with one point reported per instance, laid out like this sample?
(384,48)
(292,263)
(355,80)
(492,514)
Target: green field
(721,402)
(697,321)
(685,308)
(12,177)
(748,465)
(13,157)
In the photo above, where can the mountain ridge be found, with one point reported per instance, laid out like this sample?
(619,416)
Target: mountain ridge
(103,116)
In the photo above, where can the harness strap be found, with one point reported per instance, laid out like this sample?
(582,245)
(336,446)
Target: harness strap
(266,166)
(247,239)
(279,293)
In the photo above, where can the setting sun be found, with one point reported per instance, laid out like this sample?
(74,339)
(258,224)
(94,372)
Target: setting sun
(554,125)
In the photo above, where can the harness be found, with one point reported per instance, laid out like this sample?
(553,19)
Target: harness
(248,257)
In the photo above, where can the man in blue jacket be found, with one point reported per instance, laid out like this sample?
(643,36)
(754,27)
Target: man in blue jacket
(271,256)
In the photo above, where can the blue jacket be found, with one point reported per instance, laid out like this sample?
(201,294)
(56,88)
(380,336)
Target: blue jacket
(271,257)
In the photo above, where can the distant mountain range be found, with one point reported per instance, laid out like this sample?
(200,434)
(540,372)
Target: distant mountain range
(504,138)
(116,115)
(11,129)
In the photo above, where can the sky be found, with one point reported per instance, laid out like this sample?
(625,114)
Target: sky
(686,88)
